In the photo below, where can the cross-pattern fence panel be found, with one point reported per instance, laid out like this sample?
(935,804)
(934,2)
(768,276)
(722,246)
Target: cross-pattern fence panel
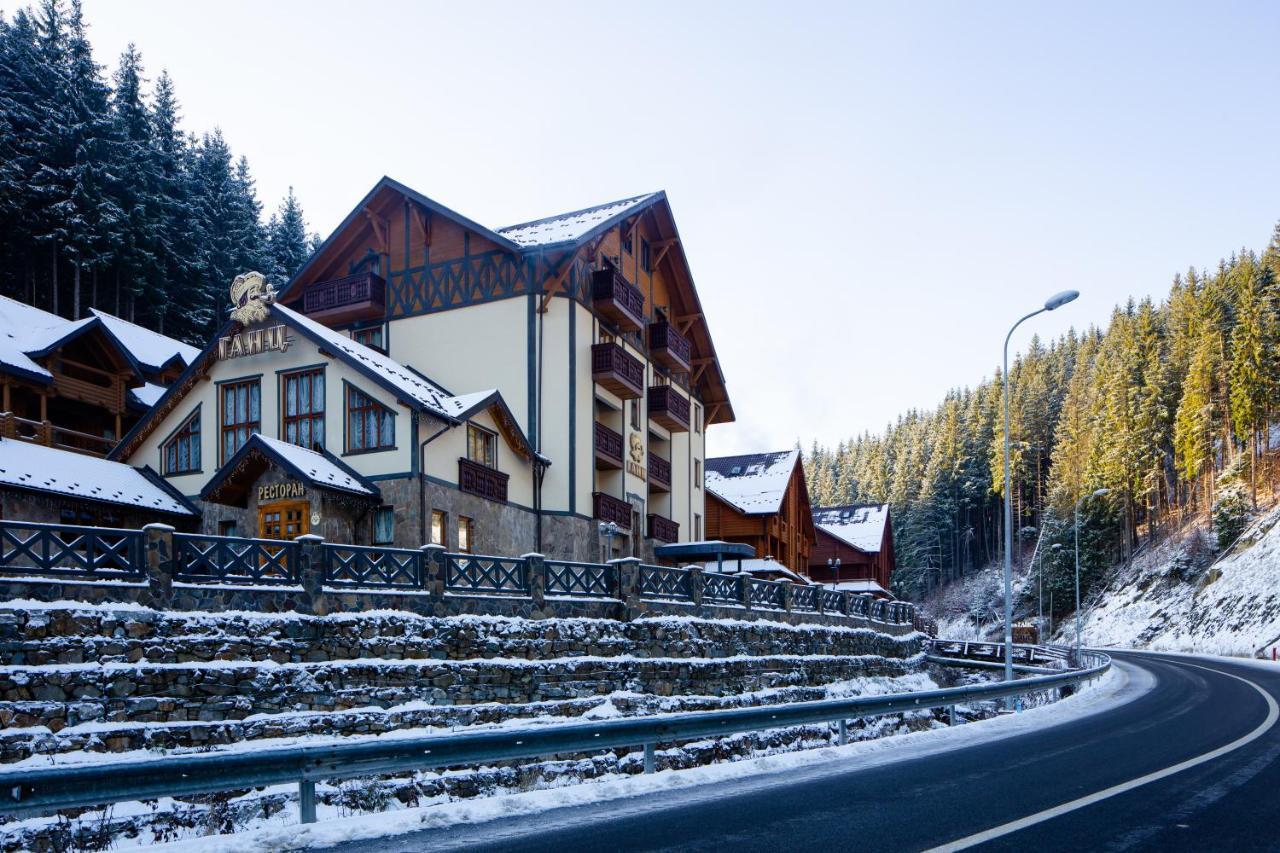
(664,582)
(229,559)
(371,566)
(721,588)
(860,605)
(480,573)
(878,608)
(833,601)
(768,594)
(570,578)
(61,550)
(804,597)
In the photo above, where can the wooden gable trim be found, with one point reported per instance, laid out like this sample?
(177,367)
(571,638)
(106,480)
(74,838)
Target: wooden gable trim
(380,230)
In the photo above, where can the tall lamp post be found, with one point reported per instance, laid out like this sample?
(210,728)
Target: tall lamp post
(609,531)
(1052,303)
(1099,493)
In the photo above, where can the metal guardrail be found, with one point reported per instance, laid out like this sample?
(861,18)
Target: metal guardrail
(40,790)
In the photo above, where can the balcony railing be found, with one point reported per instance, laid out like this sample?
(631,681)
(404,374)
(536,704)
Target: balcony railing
(476,479)
(608,508)
(608,447)
(51,435)
(668,408)
(617,299)
(659,472)
(342,300)
(669,348)
(663,529)
(617,370)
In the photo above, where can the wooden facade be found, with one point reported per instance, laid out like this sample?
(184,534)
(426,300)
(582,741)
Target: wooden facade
(776,519)
(875,563)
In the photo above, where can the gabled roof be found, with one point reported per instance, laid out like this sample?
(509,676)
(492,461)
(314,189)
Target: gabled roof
(319,469)
(860,526)
(752,483)
(75,475)
(152,350)
(575,226)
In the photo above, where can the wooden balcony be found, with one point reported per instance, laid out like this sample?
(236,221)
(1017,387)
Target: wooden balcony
(615,369)
(344,300)
(608,508)
(608,447)
(659,473)
(50,435)
(670,348)
(663,529)
(668,408)
(485,482)
(89,384)
(617,299)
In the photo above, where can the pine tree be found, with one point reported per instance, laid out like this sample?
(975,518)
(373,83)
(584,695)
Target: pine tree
(288,245)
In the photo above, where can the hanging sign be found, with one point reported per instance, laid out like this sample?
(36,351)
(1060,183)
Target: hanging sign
(254,341)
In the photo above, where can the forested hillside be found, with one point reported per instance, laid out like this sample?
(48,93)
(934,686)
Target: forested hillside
(1169,407)
(105,201)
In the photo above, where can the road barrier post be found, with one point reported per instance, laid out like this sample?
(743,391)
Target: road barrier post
(650,761)
(307,801)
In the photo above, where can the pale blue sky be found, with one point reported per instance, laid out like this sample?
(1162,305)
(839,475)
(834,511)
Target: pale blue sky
(868,194)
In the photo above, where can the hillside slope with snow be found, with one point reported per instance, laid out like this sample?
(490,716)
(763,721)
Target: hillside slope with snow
(1164,601)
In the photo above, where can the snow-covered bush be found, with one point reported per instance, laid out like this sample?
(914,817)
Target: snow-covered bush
(1231,512)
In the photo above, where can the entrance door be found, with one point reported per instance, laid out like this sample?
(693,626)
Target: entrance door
(284,519)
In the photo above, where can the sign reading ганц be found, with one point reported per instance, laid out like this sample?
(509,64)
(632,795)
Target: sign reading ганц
(271,339)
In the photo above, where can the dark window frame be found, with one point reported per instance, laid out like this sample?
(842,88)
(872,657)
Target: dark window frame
(365,404)
(248,426)
(314,417)
(379,513)
(490,438)
(183,432)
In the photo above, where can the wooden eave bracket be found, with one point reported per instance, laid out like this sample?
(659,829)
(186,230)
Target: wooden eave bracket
(379,226)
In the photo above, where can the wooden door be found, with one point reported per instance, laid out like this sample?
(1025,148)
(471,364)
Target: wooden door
(284,519)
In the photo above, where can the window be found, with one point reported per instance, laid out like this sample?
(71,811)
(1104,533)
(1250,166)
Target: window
(241,415)
(635,413)
(384,525)
(182,450)
(644,255)
(466,529)
(482,446)
(627,245)
(303,409)
(697,527)
(697,418)
(439,521)
(697,473)
(227,527)
(73,517)
(371,337)
(370,425)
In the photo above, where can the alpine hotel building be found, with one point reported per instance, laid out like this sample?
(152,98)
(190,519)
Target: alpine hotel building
(424,378)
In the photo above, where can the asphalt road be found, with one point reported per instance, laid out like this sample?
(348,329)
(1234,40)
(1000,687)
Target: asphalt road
(1107,781)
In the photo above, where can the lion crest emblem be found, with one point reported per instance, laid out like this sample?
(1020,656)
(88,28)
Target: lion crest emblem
(251,298)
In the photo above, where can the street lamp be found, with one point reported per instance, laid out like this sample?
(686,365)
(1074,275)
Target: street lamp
(609,530)
(1099,493)
(1053,302)
(833,563)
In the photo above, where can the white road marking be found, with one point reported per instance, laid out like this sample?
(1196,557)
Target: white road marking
(1273,714)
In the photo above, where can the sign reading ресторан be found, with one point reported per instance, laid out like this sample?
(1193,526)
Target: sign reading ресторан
(254,341)
(277,491)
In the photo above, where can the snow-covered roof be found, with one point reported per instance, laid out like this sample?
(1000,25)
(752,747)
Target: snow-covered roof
(569,227)
(864,585)
(859,525)
(316,467)
(150,349)
(754,483)
(147,394)
(755,566)
(47,469)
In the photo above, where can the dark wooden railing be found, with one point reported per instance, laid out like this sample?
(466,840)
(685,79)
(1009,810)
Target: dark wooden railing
(659,471)
(51,435)
(663,529)
(617,299)
(669,348)
(608,447)
(668,408)
(354,297)
(608,508)
(476,479)
(617,370)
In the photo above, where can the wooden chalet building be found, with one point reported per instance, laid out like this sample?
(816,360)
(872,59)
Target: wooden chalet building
(79,384)
(585,328)
(761,500)
(860,536)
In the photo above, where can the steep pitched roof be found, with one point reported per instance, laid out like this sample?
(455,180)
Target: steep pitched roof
(61,472)
(858,525)
(152,350)
(753,483)
(574,226)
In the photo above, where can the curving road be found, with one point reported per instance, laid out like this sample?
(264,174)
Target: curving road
(1187,762)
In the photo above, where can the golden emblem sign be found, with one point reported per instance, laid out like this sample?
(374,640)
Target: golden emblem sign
(635,465)
(251,298)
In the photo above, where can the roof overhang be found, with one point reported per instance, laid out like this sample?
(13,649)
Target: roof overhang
(231,483)
(706,551)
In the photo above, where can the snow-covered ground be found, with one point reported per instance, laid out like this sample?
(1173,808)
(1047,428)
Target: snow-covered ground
(1121,685)
(1231,607)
